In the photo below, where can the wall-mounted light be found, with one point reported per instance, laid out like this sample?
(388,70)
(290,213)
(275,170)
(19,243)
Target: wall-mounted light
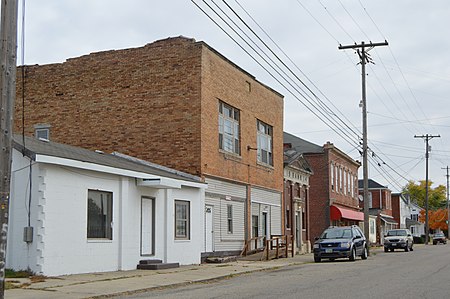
(251,148)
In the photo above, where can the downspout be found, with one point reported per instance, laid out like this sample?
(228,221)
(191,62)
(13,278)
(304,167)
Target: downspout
(166,221)
(119,225)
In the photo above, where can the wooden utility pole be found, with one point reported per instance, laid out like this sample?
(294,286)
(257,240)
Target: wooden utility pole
(427,138)
(448,205)
(8,54)
(365,58)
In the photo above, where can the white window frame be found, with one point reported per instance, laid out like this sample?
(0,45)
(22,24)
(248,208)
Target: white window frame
(332,177)
(97,212)
(42,131)
(229,137)
(230,219)
(345,182)
(264,143)
(182,222)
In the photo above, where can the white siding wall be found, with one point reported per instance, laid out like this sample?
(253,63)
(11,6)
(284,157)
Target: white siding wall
(405,212)
(226,188)
(269,201)
(221,194)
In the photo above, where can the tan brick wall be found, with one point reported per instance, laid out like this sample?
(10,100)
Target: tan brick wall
(158,103)
(225,82)
(143,102)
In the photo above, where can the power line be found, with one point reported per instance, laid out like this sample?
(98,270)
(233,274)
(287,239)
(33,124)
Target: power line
(318,112)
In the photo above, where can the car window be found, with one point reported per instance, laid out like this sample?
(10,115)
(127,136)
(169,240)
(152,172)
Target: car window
(337,234)
(401,232)
(356,232)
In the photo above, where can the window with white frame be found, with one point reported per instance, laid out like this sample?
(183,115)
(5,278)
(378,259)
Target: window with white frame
(230,218)
(265,135)
(332,176)
(99,218)
(345,182)
(229,128)
(340,179)
(42,131)
(182,220)
(351,185)
(336,168)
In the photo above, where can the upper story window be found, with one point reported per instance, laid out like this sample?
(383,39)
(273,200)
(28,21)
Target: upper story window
(345,181)
(229,128)
(265,135)
(351,180)
(332,176)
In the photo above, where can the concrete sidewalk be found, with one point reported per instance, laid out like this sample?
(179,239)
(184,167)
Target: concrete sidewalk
(102,285)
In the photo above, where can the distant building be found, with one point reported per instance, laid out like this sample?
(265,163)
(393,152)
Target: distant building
(380,205)
(407,213)
(297,173)
(333,194)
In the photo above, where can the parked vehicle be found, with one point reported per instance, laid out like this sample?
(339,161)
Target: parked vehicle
(398,239)
(340,242)
(439,238)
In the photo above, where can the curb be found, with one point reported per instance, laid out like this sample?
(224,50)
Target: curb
(198,281)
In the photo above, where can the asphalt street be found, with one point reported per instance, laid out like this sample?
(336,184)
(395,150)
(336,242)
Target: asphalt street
(422,273)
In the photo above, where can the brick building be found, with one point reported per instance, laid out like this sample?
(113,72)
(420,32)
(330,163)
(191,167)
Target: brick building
(333,189)
(178,103)
(380,205)
(297,173)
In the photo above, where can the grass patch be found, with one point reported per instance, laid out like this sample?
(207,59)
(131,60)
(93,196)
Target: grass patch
(9,273)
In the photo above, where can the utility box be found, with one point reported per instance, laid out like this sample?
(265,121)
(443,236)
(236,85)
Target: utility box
(28,234)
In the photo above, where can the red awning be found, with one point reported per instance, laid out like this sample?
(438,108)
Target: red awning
(336,213)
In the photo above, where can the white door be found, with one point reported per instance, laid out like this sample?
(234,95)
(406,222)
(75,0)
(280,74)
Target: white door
(209,229)
(147,226)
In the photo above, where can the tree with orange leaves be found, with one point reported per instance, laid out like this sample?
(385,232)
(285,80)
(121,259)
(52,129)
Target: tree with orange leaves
(436,219)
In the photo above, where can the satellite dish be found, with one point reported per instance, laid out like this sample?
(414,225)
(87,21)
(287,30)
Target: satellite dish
(360,198)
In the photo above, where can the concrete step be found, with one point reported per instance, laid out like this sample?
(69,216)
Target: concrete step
(158,266)
(150,261)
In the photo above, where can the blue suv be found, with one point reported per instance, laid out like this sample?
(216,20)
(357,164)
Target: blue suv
(340,242)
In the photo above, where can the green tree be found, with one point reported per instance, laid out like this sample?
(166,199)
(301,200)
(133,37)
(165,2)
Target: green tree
(437,197)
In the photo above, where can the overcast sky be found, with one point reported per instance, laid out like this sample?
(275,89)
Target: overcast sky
(408,87)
